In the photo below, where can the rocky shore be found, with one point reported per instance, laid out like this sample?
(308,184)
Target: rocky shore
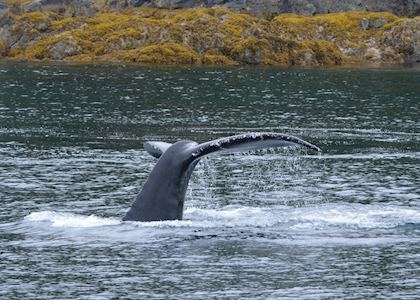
(235,32)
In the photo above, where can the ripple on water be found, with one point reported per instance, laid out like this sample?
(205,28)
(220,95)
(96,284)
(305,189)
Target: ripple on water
(266,225)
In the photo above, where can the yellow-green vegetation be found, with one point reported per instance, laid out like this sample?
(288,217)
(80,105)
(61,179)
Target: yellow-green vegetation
(35,17)
(213,57)
(210,36)
(166,53)
(341,24)
(3,48)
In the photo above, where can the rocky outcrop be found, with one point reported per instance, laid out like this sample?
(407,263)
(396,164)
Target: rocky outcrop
(212,36)
(405,39)
(4,12)
(69,8)
(63,48)
(407,8)
(259,8)
(4,27)
(271,8)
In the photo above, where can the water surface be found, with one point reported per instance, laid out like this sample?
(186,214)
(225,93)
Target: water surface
(263,225)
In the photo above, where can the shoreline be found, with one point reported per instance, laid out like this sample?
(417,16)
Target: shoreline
(214,37)
(57,63)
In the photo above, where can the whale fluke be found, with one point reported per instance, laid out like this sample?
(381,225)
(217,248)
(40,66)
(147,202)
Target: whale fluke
(156,149)
(163,194)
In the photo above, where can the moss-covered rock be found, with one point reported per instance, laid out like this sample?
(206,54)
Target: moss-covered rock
(213,57)
(252,50)
(165,53)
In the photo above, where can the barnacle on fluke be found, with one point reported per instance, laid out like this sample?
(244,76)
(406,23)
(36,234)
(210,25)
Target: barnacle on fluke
(210,36)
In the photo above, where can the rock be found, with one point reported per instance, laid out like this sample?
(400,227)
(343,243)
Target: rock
(45,5)
(407,8)
(4,33)
(178,3)
(135,3)
(308,59)
(81,8)
(260,8)
(365,23)
(379,22)
(69,8)
(213,37)
(20,37)
(303,7)
(4,12)
(64,48)
(271,8)
(405,39)
(252,51)
(373,54)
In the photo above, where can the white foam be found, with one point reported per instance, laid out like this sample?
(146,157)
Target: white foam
(348,215)
(58,219)
(321,216)
(356,215)
(234,216)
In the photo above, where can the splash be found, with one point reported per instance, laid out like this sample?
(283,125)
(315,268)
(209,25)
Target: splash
(334,216)
(58,219)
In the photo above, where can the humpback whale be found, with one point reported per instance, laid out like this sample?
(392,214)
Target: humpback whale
(163,193)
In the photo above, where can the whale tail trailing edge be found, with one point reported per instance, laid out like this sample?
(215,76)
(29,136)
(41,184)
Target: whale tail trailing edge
(236,143)
(250,141)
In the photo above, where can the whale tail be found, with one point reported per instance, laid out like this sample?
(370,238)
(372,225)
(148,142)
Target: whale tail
(156,149)
(162,196)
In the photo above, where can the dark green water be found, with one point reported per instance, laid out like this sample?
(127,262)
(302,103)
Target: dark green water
(265,225)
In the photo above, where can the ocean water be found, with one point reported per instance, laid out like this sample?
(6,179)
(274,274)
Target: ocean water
(271,224)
